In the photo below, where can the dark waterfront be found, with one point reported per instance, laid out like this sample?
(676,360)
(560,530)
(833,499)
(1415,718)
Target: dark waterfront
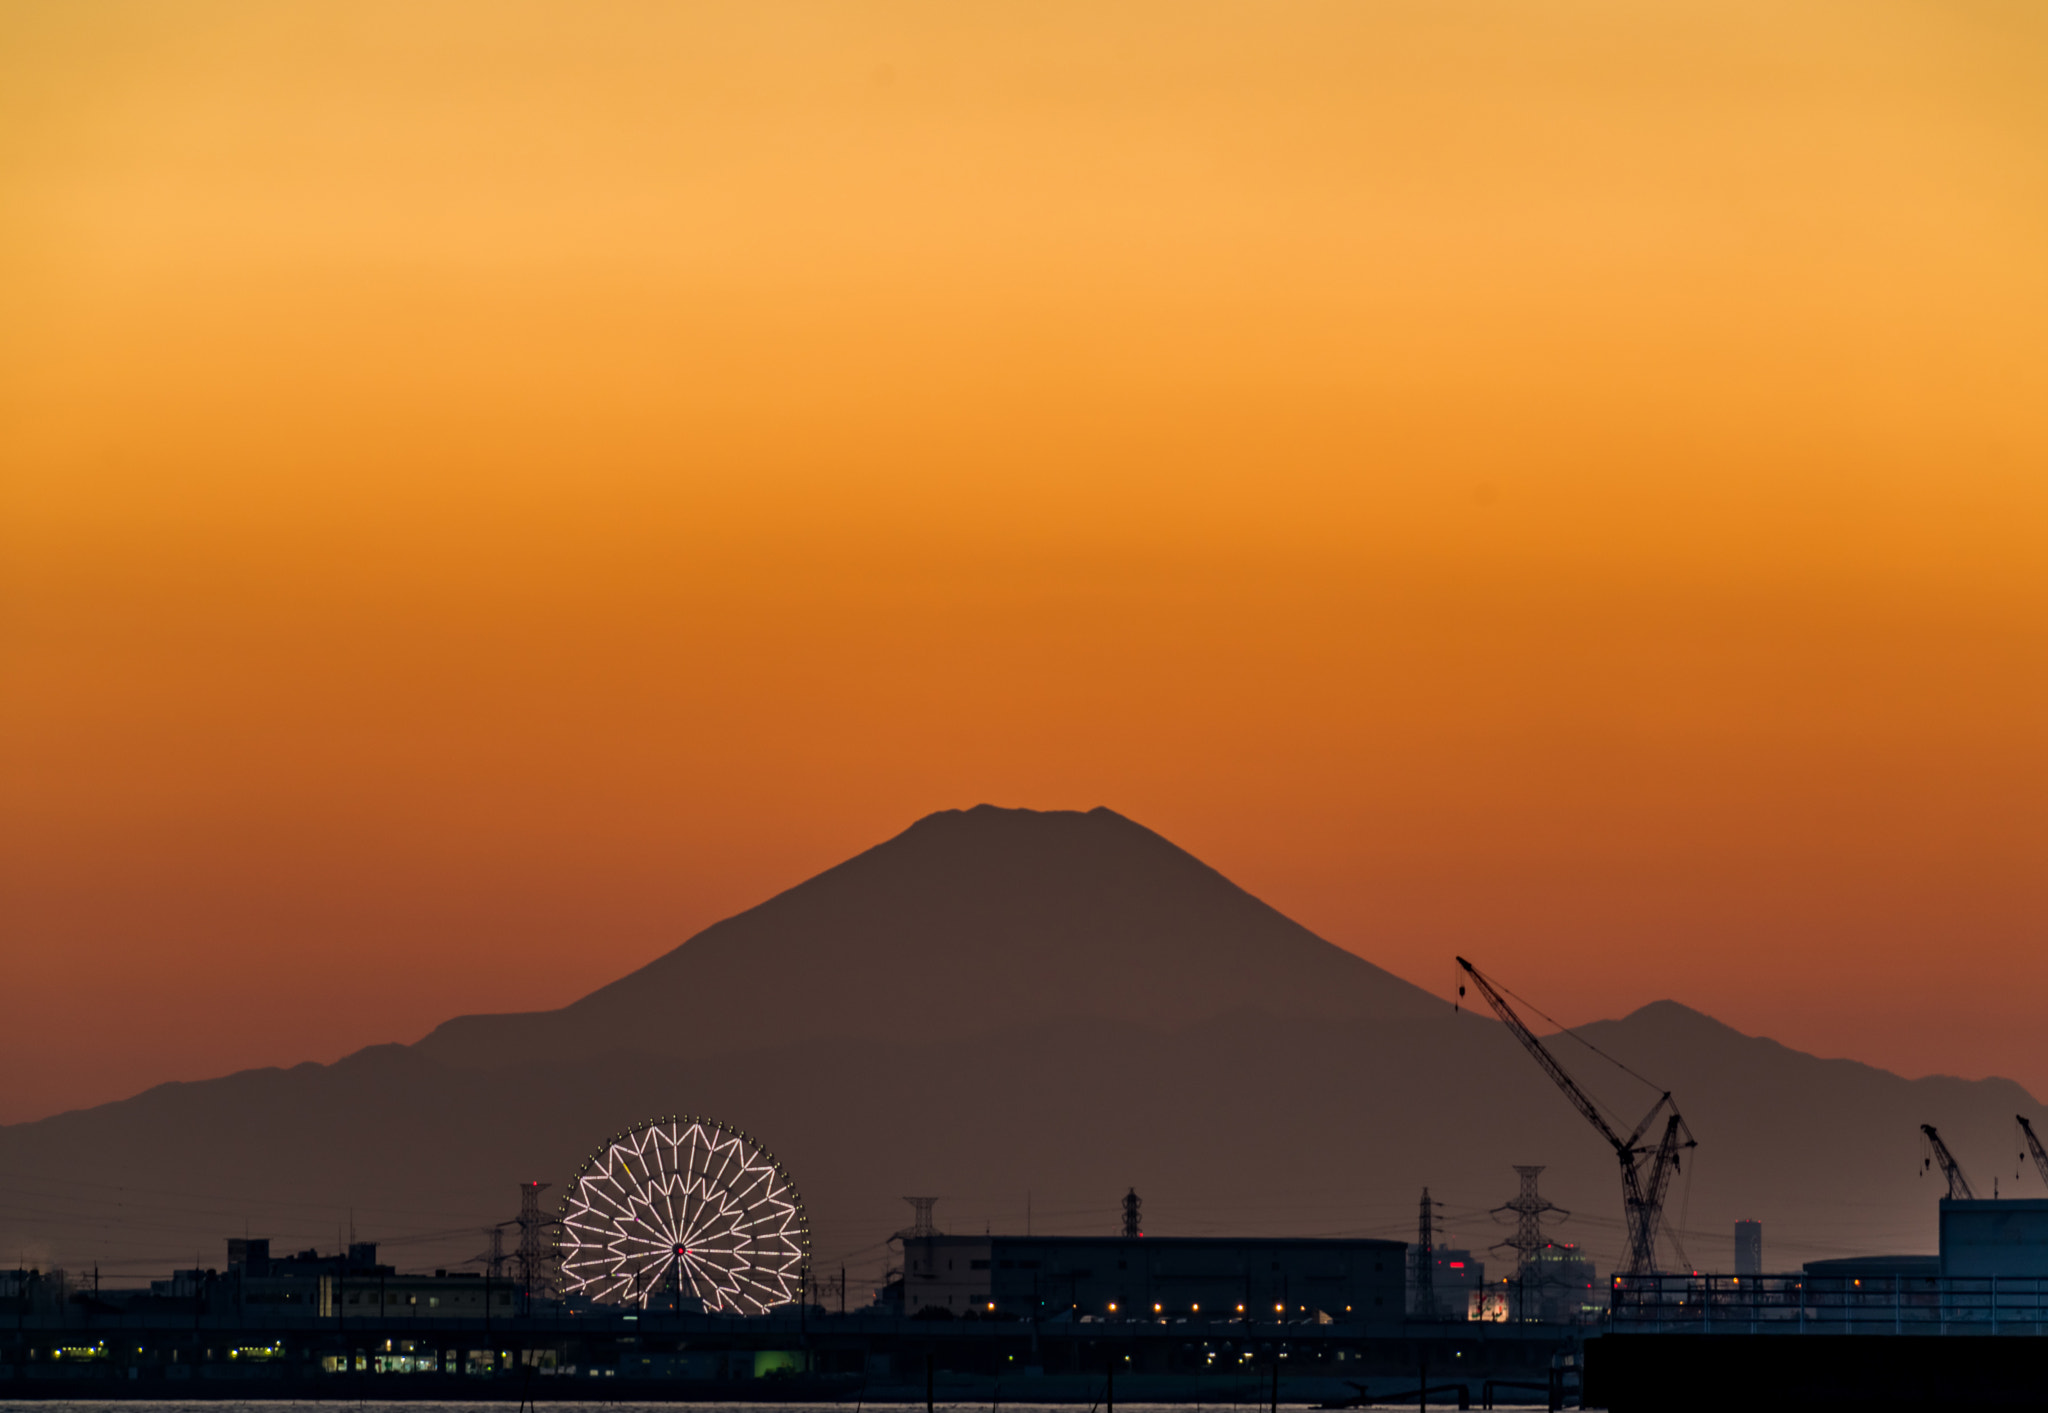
(890,1405)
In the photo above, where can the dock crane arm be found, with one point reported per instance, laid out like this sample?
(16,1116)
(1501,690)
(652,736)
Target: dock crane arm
(1662,1166)
(1642,1202)
(1578,1097)
(1958,1185)
(2034,1146)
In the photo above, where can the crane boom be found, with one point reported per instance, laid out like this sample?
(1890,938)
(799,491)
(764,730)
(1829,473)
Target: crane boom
(2034,1146)
(1642,1193)
(1662,1166)
(1578,1097)
(1958,1185)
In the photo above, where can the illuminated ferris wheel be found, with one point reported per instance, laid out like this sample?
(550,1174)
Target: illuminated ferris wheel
(689,1207)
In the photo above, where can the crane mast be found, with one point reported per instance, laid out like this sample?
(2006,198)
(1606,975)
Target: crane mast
(2033,1146)
(1642,1184)
(1958,1185)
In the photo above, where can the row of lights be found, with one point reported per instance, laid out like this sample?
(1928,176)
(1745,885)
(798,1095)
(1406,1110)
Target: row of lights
(1196,1309)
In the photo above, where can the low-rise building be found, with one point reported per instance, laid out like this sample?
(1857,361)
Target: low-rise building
(1557,1285)
(345,1285)
(1455,1273)
(1994,1237)
(1152,1277)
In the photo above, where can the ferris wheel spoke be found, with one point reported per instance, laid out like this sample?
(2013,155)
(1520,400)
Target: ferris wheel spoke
(756,1177)
(764,1220)
(713,1181)
(713,1223)
(689,1216)
(594,1190)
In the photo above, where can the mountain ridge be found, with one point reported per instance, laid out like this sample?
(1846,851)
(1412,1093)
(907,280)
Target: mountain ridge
(1274,1084)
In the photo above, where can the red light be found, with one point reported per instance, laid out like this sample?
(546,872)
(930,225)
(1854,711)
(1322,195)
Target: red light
(1457,1265)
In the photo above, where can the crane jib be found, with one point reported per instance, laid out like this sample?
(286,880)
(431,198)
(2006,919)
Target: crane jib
(1958,1185)
(2033,1146)
(1642,1193)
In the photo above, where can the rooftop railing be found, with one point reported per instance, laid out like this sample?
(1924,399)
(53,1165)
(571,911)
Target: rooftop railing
(1803,1304)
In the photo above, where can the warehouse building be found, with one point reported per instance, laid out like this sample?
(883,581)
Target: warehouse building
(1997,1237)
(1152,1278)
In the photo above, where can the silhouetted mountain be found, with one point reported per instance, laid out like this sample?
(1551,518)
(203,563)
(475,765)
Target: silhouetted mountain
(968,922)
(1069,1005)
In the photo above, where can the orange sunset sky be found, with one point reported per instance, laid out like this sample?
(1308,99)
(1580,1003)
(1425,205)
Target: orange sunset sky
(489,488)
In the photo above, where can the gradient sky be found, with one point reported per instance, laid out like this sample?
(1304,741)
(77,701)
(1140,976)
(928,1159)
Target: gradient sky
(487,489)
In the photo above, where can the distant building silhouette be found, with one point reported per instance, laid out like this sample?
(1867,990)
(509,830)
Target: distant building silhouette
(1749,1248)
(1455,1275)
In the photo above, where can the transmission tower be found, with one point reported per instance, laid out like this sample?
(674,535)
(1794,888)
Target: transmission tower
(1529,1208)
(1132,1206)
(533,1257)
(1425,1261)
(921,1225)
(496,1259)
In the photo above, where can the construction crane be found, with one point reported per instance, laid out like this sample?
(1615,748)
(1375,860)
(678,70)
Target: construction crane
(1937,1152)
(1643,1184)
(2033,1145)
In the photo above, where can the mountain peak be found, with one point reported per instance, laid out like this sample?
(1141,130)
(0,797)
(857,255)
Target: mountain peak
(966,921)
(996,820)
(1670,1012)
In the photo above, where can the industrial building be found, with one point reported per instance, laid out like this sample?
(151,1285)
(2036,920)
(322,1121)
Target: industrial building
(1874,1268)
(1556,1285)
(1994,1237)
(354,1285)
(1980,1237)
(1456,1277)
(1152,1278)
